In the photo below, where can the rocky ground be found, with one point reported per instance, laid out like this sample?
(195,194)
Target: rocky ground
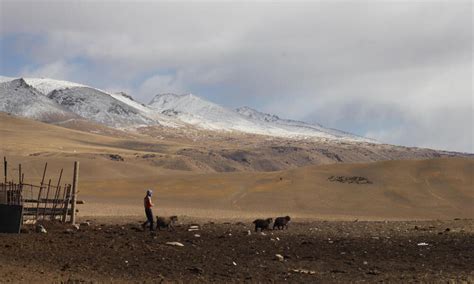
(309,251)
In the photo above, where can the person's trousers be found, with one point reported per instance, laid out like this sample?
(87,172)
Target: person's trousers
(149,218)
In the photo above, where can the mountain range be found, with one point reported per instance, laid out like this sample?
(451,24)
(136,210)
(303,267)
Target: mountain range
(52,100)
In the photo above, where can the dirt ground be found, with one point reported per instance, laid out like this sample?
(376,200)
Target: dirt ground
(118,250)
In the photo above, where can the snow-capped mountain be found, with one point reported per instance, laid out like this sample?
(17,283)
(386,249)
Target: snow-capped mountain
(208,115)
(45,85)
(147,111)
(295,126)
(196,111)
(81,101)
(44,99)
(19,98)
(99,106)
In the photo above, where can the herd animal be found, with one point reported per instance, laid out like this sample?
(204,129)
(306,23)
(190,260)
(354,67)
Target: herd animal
(166,222)
(281,223)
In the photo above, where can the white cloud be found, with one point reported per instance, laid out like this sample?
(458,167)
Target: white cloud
(374,67)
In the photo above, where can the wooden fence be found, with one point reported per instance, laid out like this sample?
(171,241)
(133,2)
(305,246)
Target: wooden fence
(44,201)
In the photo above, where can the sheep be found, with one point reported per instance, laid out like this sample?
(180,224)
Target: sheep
(166,222)
(263,224)
(281,223)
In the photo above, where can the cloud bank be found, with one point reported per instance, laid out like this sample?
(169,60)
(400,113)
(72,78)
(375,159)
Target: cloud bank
(399,72)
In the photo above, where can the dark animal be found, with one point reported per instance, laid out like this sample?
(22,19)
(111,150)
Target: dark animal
(166,222)
(281,223)
(262,224)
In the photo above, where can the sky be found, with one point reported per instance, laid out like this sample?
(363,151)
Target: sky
(396,71)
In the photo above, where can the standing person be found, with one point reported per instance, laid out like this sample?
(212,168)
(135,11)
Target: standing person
(149,213)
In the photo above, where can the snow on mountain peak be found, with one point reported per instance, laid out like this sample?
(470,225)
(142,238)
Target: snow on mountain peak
(100,107)
(197,111)
(19,98)
(255,114)
(172,110)
(46,85)
(187,103)
(123,94)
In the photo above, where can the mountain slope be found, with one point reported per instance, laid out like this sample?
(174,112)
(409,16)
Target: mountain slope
(116,110)
(202,113)
(19,98)
(207,115)
(300,127)
(147,111)
(99,107)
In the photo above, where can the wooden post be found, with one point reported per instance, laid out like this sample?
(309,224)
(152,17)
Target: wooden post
(56,196)
(40,191)
(47,197)
(67,200)
(5,171)
(75,181)
(5,178)
(19,173)
(20,182)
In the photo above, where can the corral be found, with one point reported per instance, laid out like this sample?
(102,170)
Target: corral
(22,202)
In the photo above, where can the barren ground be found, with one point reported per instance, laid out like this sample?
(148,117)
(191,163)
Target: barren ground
(117,250)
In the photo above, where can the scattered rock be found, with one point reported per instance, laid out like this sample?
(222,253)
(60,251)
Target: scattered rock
(279,257)
(76,227)
(303,271)
(86,224)
(193,228)
(177,244)
(41,229)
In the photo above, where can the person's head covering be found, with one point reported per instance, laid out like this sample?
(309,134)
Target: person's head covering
(149,192)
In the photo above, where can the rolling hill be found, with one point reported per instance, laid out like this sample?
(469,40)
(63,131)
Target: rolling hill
(403,189)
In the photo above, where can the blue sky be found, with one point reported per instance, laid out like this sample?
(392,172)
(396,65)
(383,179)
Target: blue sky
(396,71)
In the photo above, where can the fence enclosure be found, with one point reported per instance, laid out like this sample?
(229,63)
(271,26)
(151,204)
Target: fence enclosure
(37,202)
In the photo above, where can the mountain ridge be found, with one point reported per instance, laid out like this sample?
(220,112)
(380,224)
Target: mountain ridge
(19,98)
(174,111)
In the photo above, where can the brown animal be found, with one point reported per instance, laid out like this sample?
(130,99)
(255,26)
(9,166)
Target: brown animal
(281,223)
(166,222)
(262,224)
